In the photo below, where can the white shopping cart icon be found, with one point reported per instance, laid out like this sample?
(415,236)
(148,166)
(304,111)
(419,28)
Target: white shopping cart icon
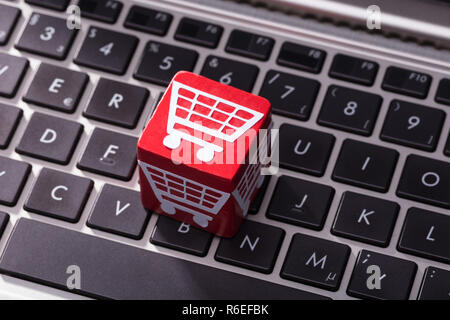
(177,192)
(251,180)
(192,108)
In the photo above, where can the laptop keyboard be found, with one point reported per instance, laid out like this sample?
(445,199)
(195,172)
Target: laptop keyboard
(364,157)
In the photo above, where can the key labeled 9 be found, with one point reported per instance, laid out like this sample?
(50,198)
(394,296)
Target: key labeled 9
(413,122)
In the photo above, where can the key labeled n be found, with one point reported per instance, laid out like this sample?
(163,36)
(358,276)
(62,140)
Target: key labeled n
(249,242)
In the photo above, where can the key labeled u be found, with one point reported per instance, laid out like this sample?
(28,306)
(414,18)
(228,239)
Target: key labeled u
(298,147)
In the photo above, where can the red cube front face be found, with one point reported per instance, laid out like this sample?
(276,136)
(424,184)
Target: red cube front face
(198,155)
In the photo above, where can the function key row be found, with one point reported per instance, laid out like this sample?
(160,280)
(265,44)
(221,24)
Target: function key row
(58,5)
(148,20)
(101,10)
(54,41)
(48,36)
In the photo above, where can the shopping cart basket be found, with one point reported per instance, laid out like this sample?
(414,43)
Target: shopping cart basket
(177,192)
(251,180)
(208,114)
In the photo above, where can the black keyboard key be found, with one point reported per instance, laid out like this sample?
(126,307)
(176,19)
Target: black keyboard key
(353,69)
(160,62)
(181,236)
(426,234)
(350,110)
(117,103)
(12,70)
(234,73)
(435,285)
(407,82)
(13,175)
(47,36)
(256,203)
(250,45)
(413,125)
(255,246)
(314,261)
(365,165)
(366,219)
(111,154)
(148,20)
(56,88)
(305,150)
(4,219)
(120,211)
(394,281)
(59,195)
(199,32)
(301,57)
(447,146)
(290,95)
(9,119)
(50,138)
(102,10)
(107,50)
(59,5)
(443,92)
(8,20)
(426,180)
(106,259)
(300,202)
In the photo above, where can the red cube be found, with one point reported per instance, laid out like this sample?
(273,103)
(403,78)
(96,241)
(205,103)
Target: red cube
(199,154)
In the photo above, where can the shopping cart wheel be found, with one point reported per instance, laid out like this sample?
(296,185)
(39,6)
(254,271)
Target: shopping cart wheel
(205,154)
(172,141)
(167,208)
(202,222)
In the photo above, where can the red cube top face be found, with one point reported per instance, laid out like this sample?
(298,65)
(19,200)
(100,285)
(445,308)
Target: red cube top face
(205,125)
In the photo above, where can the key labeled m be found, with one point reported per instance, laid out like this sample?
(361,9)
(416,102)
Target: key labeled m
(313,259)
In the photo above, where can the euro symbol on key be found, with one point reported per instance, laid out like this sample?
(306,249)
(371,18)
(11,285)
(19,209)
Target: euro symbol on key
(374,281)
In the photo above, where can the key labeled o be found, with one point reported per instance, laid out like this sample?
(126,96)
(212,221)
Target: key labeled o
(431,179)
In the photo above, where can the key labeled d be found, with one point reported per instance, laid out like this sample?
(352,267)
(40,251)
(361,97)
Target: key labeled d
(49,136)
